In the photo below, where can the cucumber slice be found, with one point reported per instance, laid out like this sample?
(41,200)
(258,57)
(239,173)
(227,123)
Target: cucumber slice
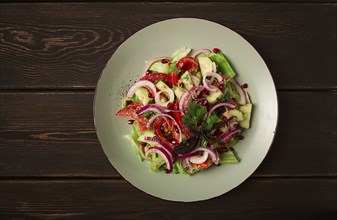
(178,91)
(180,53)
(159,67)
(186,80)
(143,95)
(205,64)
(246,110)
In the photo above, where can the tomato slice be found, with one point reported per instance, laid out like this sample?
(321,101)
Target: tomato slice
(153,77)
(174,79)
(130,111)
(187,63)
(178,117)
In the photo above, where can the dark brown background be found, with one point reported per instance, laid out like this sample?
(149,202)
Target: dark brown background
(51,163)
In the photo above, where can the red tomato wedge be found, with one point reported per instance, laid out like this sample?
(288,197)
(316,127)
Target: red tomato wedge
(187,64)
(130,111)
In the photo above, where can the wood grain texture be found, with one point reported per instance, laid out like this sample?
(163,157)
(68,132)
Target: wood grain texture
(164,1)
(67,45)
(106,199)
(52,134)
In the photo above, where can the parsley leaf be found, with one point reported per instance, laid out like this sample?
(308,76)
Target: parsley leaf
(230,92)
(194,114)
(210,121)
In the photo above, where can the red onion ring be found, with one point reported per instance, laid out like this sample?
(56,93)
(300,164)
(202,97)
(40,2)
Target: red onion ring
(183,156)
(199,159)
(242,93)
(163,154)
(161,144)
(158,100)
(194,54)
(142,83)
(220,105)
(150,107)
(229,133)
(211,153)
(152,61)
(213,74)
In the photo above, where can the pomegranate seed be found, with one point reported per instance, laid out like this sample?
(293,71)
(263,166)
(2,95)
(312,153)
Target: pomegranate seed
(128,102)
(217,132)
(221,87)
(165,60)
(241,137)
(150,95)
(204,103)
(130,122)
(224,118)
(181,84)
(143,144)
(216,50)
(148,72)
(244,86)
(174,142)
(206,92)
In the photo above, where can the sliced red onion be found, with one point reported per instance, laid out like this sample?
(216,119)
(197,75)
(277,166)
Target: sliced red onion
(160,102)
(220,105)
(182,100)
(194,54)
(195,80)
(199,159)
(152,61)
(148,125)
(183,156)
(163,154)
(229,133)
(142,83)
(232,124)
(211,153)
(242,93)
(213,74)
(150,107)
(197,92)
(161,144)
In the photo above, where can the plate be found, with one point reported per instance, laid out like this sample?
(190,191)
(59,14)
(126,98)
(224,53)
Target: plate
(126,66)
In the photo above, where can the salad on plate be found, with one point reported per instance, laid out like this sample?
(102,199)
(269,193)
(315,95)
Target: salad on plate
(187,112)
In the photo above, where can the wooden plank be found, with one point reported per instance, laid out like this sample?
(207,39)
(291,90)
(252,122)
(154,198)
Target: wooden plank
(290,1)
(52,134)
(66,45)
(105,199)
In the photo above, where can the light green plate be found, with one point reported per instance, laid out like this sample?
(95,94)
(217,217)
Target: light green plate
(126,66)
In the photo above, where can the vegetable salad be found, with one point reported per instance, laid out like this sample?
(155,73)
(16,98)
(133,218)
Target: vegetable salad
(187,112)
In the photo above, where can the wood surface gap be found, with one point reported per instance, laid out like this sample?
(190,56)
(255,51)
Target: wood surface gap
(103,178)
(92,90)
(172,1)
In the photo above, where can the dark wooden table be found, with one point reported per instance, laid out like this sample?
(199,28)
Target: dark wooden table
(51,163)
